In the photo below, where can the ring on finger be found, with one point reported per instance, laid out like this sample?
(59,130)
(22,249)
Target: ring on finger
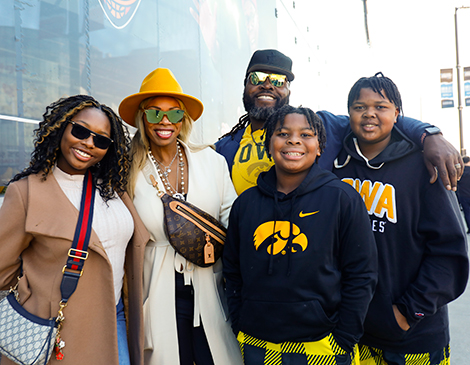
(458,166)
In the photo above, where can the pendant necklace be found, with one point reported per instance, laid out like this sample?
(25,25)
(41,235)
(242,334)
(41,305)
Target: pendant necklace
(259,144)
(164,175)
(167,168)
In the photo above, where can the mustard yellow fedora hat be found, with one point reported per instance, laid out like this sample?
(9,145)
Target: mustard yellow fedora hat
(160,82)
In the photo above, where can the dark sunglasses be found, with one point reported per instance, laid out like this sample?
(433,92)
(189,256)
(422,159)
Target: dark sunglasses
(81,132)
(258,78)
(155,116)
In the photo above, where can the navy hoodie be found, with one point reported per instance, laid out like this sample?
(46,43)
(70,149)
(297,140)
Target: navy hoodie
(302,265)
(421,242)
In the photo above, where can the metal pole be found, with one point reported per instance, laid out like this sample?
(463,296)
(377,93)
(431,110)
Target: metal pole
(463,152)
(366,23)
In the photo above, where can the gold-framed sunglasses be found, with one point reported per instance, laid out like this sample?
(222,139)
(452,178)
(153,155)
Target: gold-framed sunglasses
(258,78)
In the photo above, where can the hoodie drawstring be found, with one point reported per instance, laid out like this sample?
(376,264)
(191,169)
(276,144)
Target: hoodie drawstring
(290,239)
(276,214)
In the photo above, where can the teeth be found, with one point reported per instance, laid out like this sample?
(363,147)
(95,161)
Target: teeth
(81,153)
(293,153)
(267,97)
(164,133)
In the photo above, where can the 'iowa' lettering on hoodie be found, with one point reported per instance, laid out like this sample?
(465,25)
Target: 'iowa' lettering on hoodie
(378,197)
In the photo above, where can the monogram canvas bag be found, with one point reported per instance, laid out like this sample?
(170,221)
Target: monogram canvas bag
(192,232)
(25,338)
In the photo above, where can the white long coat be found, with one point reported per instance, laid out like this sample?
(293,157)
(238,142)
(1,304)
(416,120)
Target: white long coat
(211,189)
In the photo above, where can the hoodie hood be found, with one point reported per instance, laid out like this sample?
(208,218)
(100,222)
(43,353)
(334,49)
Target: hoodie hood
(315,178)
(398,147)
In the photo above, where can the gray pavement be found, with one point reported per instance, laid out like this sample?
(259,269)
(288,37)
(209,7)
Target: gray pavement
(459,325)
(459,314)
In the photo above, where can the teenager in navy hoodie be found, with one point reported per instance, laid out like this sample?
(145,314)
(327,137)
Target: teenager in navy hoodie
(419,232)
(300,260)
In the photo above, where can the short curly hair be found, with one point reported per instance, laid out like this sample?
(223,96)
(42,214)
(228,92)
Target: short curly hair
(381,85)
(279,116)
(110,174)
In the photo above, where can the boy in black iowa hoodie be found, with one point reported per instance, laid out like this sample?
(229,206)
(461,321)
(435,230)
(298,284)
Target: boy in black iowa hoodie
(300,260)
(419,232)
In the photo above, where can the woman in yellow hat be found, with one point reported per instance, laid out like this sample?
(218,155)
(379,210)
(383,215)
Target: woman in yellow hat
(184,311)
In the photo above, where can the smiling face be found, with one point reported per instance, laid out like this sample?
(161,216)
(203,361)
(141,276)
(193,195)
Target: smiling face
(294,146)
(372,118)
(77,155)
(164,133)
(262,100)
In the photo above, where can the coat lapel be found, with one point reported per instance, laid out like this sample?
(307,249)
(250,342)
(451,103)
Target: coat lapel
(61,218)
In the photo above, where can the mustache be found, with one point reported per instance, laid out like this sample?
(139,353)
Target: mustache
(266,93)
(262,113)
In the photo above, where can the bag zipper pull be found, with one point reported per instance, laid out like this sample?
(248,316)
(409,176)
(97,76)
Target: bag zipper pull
(208,251)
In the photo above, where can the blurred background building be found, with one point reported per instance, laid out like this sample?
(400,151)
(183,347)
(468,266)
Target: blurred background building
(55,48)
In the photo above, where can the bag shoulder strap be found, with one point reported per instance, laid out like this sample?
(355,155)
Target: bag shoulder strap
(77,254)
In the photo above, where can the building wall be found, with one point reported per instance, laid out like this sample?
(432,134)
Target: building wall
(51,49)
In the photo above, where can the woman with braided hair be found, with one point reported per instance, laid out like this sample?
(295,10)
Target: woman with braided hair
(39,216)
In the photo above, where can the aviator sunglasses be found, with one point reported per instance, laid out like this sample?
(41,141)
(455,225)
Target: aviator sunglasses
(81,132)
(155,116)
(258,78)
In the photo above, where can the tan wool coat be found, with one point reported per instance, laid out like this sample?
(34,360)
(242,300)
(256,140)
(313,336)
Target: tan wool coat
(37,224)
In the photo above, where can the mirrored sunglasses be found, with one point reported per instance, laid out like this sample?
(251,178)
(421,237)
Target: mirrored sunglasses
(81,132)
(258,78)
(156,116)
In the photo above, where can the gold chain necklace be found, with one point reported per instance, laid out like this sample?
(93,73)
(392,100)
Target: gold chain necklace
(164,176)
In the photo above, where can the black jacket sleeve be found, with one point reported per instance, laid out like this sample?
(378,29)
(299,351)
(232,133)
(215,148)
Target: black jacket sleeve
(444,269)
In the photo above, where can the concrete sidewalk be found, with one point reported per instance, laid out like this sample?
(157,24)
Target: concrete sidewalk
(459,313)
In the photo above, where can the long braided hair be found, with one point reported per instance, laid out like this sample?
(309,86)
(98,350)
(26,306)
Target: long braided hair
(313,120)
(377,83)
(110,174)
(243,122)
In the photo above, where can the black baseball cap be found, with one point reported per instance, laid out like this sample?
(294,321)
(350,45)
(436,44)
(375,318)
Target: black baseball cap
(271,60)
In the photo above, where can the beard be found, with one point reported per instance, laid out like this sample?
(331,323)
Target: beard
(261,113)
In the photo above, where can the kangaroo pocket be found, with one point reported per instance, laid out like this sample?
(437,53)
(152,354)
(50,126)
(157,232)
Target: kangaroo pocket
(285,321)
(380,320)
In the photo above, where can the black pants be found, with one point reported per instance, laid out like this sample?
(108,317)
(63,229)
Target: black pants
(465,203)
(192,341)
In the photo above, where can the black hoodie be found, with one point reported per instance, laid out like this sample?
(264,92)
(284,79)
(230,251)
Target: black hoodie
(302,265)
(421,243)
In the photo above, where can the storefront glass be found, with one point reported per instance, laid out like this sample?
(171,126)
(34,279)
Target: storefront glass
(55,48)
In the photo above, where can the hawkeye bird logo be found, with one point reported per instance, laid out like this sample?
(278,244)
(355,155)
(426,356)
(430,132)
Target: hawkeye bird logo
(276,234)
(119,12)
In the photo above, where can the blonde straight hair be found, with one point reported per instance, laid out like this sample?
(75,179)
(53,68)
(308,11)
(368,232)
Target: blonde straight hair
(140,143)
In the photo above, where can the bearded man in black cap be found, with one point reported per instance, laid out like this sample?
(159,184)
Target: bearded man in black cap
(267,88)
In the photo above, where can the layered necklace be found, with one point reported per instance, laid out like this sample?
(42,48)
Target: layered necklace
(259,144)
(164,172)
